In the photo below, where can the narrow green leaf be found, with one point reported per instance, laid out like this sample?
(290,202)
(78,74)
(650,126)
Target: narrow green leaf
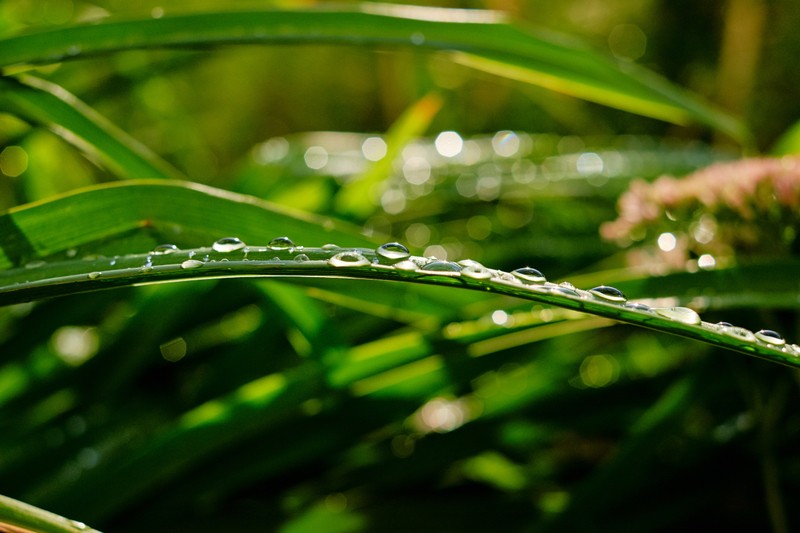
(17,516)
(117,218)
(23,284)
(483,38)
(45,104)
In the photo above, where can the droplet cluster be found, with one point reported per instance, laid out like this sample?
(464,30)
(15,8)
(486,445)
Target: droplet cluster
(283,252)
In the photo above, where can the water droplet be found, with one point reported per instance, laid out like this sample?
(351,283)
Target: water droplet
(680,314)
(770,337)
(792,349)
(35,264)
(611,294)
(724,324)
(78,525)
(94,275)
(409,266)
(529,275)
(738,333)
(638,306)
(191,263)
(470,263)
(393,251)
(281,243)
(228,244)
(566,289)
(349,259)
(301,258)
(148,264)
(476,272)
(330,246)
(164,249)
(441,266)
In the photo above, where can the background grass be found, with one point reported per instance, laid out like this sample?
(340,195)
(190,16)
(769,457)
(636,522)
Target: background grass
(357,405)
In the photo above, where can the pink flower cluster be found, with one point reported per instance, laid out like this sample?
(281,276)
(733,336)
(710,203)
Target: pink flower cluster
(745,207)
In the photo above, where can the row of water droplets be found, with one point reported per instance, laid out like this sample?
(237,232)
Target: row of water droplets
(394,256)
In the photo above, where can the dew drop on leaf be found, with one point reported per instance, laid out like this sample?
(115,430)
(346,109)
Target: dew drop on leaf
(611,294)
(191,263)
(529,275)
(281,243)
(770,337)
(349,259)
(476,272)
(409,266)
(441,266)
(680,314)
(738,333)
(228,244)
(393,251)
(792,349)
(301,258)
(566,289)
(164,249)
(94,275)
(638,306)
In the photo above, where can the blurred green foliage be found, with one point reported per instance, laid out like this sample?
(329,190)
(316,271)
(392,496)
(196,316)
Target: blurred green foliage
(333,405)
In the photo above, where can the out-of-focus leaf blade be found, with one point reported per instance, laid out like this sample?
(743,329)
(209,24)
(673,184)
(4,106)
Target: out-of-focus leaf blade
(500,47)
(17,516)
(121,217)
(45,104)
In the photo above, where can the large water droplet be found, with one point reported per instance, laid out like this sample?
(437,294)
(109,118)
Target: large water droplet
(393,251)
(680,314)
(441,266)
(604,292)
(281,243)
(78,525)
(94,275)
(164,249)
(770,337)
(349,259)
(228,244)
(191,263)
(529,275)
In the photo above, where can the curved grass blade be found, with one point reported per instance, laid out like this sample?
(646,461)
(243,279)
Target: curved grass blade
(483,38)
(119,217)
(16,516)
(45,104)
(19,285)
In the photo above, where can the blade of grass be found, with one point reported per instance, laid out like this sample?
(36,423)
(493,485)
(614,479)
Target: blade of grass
(356,263)
(19,516)
(554,63)
(117,218)
(45,104)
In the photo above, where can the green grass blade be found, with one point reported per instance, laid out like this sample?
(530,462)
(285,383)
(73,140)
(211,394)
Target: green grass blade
(68,277)
(18,516)
(116,218)
(498,46)
(45,104)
